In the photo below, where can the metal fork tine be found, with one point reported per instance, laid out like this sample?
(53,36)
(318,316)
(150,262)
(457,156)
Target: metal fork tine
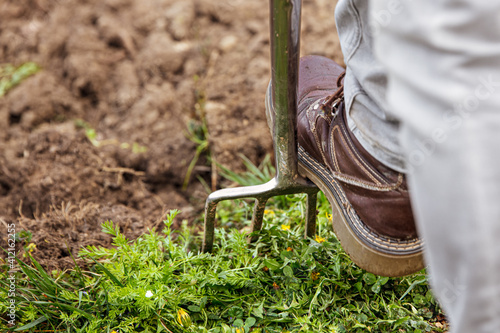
(257,217)
(310,228)
(208,237)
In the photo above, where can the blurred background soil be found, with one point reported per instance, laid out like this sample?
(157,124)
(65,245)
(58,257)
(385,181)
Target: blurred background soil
(143,75)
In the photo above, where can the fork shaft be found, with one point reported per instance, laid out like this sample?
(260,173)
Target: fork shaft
(285,52)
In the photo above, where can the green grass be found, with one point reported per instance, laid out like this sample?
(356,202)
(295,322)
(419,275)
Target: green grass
(161,283)
(197,132)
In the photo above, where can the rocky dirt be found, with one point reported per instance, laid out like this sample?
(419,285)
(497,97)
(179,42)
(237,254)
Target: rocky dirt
(141,74)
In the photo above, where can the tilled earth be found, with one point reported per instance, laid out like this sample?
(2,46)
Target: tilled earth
(141,74)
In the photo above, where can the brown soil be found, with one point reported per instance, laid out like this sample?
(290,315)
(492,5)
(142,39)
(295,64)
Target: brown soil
(140,73)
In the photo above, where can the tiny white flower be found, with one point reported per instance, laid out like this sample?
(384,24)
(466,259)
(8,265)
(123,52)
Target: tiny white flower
(149,294)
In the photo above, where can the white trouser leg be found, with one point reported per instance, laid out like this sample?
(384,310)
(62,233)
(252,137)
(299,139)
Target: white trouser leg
(442,60)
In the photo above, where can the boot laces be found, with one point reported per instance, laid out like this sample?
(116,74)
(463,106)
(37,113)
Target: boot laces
(331,102)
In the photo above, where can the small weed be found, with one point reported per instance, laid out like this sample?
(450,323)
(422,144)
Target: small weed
(197,132)
(253,176)
(11,76)
(91,134)
(23,235)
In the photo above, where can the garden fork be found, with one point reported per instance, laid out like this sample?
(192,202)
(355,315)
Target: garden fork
(285,38)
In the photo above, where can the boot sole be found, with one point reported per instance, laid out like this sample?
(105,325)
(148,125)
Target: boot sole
(375,253)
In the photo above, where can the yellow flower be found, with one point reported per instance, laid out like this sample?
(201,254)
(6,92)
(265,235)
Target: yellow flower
(319,239)
(183,318)
(31,247)
(314,276)
(269,212)
(275,286)
(289,249)
(285,227)
(240,330)
(113,331)
(328,216)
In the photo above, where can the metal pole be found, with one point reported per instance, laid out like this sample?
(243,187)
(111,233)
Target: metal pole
(285,50)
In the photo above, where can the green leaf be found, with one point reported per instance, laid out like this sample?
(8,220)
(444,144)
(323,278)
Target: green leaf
(376,287)
(203,301)
(213,316)
(194,308)
(80,294)
(288,271)
(238,323)
(259,311)
(286,254)
(401,321)
(362,318)
(383,280)
(250,322)
(32,324)
(226,328)
(311,249)
(272,264)
(48,281)
(235,312)
(369,278)
(108,273)
(69,307)
(415,283)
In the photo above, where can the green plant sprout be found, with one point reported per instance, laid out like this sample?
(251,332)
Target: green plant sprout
(197,132)
(11,76)
(91,134)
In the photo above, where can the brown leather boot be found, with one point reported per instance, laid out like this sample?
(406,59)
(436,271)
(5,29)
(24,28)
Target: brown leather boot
(372,214)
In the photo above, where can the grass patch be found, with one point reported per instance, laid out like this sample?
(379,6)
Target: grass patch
(281,283)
